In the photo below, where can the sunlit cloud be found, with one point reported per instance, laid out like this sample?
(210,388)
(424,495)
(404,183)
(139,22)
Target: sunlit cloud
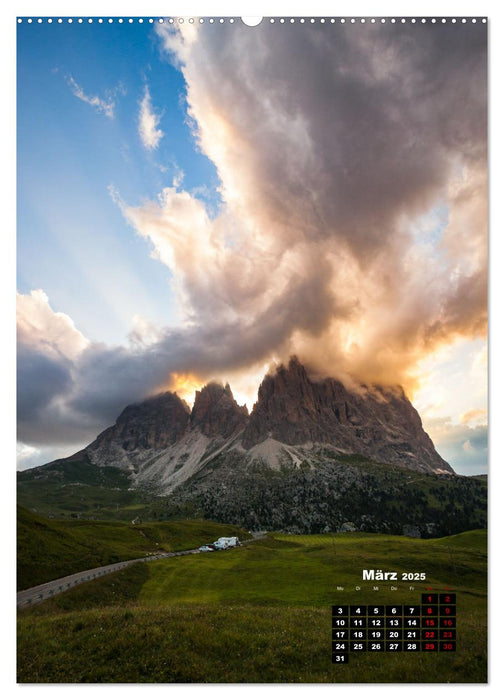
(399,247)
(148,122)
(185,385)
(53,333)
(476,416)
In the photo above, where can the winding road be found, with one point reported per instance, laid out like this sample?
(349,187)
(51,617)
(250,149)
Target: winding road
(32,596)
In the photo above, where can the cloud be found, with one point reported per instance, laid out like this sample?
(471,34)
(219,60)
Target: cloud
(476,415)
(66,397)
(178,177)
(40,379)
(333,146)
(148,122)
(48,347)
(102,105)
(464,447)
(52,333)
(29,456)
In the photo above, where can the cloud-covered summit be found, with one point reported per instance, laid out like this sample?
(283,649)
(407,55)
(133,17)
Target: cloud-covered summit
(352,231)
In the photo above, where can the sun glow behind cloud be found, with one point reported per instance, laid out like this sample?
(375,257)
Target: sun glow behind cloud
(453,382)
(185,385)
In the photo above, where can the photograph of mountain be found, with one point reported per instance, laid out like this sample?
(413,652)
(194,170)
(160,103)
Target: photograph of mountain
(252,349)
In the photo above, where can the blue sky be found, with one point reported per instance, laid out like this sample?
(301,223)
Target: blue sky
(71,234)
(198,204)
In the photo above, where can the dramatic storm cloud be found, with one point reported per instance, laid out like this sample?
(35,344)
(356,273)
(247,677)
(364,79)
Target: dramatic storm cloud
(352,230)
(353,175)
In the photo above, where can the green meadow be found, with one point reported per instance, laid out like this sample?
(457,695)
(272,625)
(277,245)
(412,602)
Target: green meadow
(260,613)
(49,548)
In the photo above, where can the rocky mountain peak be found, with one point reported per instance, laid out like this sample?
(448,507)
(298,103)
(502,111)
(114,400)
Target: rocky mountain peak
(377,422)
(286,403)
(216,413)
(292,409)
(159,408)
(155,423)
(293,375)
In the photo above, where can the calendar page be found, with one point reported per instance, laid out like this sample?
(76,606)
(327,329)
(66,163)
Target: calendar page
(252,349)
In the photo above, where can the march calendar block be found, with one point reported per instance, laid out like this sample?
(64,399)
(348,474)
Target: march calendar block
(427,625)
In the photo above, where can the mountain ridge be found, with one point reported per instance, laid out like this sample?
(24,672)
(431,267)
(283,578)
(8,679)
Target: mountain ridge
(297,463)
(163,443)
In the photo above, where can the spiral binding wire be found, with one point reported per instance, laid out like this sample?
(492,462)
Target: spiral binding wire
(271,20)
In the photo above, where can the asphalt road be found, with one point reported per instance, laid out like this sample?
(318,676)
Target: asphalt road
(32,596)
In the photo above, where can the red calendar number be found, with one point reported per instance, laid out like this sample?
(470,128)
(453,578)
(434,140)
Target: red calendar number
(448,598)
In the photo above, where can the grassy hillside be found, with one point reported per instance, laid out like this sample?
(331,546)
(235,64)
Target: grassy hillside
(66,489)
(260,613)
(48,549)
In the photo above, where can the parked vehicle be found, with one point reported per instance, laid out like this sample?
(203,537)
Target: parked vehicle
(221,543)
(226,542)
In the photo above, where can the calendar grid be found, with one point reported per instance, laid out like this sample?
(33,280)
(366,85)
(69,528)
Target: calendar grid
(426,627)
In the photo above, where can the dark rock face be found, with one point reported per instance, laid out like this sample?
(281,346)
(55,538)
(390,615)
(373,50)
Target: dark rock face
(379,423)
(216,413)
(145,430)
(157,422)
(286,409)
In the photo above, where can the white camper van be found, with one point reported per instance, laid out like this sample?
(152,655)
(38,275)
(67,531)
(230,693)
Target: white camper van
(226,542)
